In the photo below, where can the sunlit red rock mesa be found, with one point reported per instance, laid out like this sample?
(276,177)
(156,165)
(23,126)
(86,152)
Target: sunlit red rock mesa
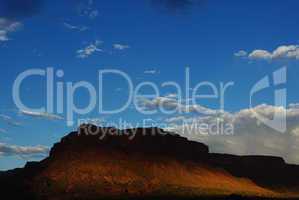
(153,164)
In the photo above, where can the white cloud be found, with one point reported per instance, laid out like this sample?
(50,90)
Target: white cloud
(121,46)
(281,52)
(176,119)
(260,54)
(290,51)
(170,103)
(23,151)
(43,115)
(89,50)
(151,71)
(172,96)
(101,121)
(9,120)
(250,136)
(7,27)
(294,105)
(76,28)
(240,53)
(3,36)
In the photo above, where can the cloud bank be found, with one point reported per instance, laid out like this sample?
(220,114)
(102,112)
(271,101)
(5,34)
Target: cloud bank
(171,103)
(23,151)
(290,52)
(42,115)
(245,135)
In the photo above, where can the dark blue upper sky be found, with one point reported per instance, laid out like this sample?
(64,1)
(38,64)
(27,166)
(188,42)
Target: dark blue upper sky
(149,40)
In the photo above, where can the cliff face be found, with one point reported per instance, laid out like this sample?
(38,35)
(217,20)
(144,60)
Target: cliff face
(96,162)
(145,141)
(268,171)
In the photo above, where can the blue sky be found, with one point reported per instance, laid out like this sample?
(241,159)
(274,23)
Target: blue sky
(137,37)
